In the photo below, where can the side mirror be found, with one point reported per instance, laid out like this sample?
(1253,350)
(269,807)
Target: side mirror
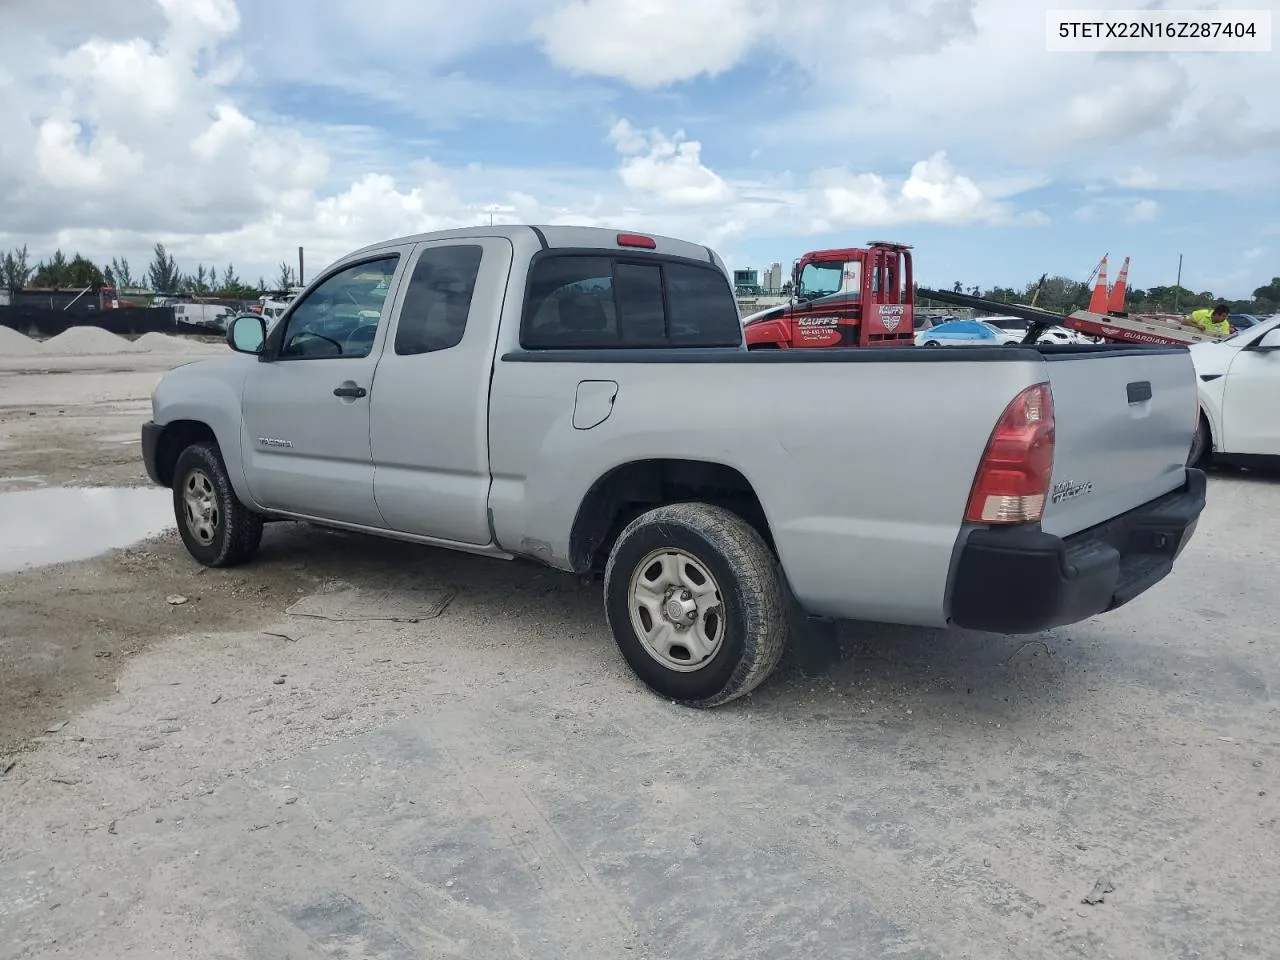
(247,335)
(1269,342)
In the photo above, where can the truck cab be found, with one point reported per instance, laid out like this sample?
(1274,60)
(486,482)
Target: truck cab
(851,297)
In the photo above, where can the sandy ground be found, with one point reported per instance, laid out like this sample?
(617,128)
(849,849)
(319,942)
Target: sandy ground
(235,781)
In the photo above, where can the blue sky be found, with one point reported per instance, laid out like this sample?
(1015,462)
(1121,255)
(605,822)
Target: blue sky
(240,129)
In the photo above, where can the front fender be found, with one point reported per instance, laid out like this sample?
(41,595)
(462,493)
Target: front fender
(209,392)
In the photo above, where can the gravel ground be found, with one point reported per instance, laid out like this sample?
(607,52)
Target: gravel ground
(238,781)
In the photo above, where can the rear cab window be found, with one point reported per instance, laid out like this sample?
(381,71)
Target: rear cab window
(604,301)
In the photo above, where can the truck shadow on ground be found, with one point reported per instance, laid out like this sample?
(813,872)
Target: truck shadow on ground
(828,667)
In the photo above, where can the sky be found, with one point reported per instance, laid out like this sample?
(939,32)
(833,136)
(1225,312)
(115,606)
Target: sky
(237,130)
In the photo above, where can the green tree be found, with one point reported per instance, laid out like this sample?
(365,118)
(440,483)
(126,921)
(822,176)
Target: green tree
(285,280)
(1266,299)
(120,270)
(163,273)
(231,285)
(82,272)
(53,273)
(16,269)
(198,283)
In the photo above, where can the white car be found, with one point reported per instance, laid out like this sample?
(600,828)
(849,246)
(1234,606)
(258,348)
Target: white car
(1061,335)
(967,333)
(1239,381)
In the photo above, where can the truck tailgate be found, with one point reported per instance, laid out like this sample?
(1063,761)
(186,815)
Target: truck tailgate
(1124,420)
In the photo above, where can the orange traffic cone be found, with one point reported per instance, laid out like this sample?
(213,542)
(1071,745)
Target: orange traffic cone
(1116,303)
(1098,302)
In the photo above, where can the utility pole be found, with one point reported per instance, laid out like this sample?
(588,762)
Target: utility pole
(300,283)
(1177,286)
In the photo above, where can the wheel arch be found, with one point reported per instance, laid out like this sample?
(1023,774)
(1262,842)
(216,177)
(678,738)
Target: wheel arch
(175,437)
(627,490)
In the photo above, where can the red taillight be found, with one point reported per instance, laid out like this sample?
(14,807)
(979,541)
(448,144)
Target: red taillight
(1017,466)
(637,240)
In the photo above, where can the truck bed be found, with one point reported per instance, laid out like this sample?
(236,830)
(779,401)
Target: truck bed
(862,459)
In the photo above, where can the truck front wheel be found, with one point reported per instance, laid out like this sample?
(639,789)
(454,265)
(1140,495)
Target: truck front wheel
(696,603)
(216,528)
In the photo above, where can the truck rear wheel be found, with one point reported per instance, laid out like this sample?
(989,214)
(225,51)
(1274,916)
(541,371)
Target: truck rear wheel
(696,603)
(216,528)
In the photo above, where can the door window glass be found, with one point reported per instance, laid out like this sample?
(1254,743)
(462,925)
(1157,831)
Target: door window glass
(339,318)
(438,299)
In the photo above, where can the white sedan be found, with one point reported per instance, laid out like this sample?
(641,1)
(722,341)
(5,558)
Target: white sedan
(966,333)
(1061,335)
(1239,380)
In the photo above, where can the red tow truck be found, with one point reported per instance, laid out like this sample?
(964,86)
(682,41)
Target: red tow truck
(852,297)
(864,297)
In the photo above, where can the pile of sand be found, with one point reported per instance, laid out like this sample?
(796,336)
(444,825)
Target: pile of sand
(15,344)
(167,343)
(86,342)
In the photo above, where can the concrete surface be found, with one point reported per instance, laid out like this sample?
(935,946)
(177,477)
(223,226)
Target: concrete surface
(490,782)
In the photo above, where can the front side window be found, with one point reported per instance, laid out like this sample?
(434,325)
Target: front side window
(438,299)
(339,318)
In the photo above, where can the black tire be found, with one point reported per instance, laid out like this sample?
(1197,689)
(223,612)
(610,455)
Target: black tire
(932,343)
(749,608)
(230,534)
(1201,445)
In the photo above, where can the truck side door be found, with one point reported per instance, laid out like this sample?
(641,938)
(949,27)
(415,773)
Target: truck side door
(306,405)
(429,425)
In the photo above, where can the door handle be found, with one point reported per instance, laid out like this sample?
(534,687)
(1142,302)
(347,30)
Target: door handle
(350,391)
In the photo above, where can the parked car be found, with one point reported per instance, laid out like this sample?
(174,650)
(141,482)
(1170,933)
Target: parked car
(1062,335)
(1241,321)
(1239,383)
(967,333)
(584,398)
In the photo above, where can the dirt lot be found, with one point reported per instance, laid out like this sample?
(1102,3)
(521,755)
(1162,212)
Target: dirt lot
(221,778)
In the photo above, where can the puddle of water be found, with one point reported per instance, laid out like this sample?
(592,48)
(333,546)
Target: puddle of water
(60,524)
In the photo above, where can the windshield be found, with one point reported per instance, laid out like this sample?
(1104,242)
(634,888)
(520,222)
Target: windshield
(1269,324)
(824,279)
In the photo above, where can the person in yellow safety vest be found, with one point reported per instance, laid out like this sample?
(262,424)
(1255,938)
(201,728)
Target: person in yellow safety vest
(1213,322)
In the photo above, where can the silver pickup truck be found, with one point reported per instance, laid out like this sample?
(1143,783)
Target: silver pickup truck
(583,398)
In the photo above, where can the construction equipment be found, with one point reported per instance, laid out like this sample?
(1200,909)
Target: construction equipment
(1105,317)
(851,297)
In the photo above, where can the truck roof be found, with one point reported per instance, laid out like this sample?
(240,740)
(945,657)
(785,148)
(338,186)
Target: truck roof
(603,238)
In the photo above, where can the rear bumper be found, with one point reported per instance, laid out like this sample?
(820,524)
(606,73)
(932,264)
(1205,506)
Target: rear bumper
(150,441)
(1023,580)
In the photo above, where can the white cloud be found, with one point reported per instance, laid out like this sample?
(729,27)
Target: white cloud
(1146,98)
(1137,178)
(1144,211)
(653,43)
(64,160)
(160,122)
(933,193)
(121,141)
(669,169)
